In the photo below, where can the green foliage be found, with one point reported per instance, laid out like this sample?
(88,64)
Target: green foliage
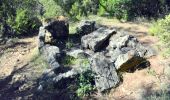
(128,9)
(151,72)
(117,8)
(161,29)
(78,8)
(51,9)
(69,44)
(19,16)
(85,84)
(159,96)
(22,23)
(69,60)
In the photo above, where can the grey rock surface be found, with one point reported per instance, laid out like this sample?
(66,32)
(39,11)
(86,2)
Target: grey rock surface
(98,39)
(125,43)
(106,76)
(52,55)
(127,61)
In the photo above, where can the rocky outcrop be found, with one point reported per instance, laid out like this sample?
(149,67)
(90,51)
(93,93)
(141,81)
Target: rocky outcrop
(98,39)
(107,50)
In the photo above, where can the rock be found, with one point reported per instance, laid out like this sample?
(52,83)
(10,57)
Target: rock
(52,55)
(113,54)
(59,81)
(121,40)
(98,39)
(86,27)
(58,28)
(41,37)
(78,53)
(18,80)
(145,52)
(69,74)
(125,43)
(129,60)
(105,73)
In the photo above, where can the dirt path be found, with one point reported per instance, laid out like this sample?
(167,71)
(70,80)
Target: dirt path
(16,55)
(17,75)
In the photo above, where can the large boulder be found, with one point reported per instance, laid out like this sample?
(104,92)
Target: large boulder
(98,39)
(86,27)
(106,76)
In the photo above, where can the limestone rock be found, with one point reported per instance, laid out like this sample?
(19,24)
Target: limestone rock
(98,39)
(105,73)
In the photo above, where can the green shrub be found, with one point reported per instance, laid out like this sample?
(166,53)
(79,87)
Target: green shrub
(129,9)
(85,84)
(19,16)
(78,8)
(117,8)
(22,23)
(51,9)
(161,29)
(69,60)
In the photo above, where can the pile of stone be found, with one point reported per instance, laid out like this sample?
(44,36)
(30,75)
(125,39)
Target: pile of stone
(109,51)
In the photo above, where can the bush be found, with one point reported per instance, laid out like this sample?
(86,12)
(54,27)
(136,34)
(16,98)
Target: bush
(22,22)
(77,8)
(85,84)
(128,9)
(19,16)
(161,28)
(51,9)
(117,8)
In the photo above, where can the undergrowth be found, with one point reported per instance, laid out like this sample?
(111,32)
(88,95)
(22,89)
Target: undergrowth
(161,29)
